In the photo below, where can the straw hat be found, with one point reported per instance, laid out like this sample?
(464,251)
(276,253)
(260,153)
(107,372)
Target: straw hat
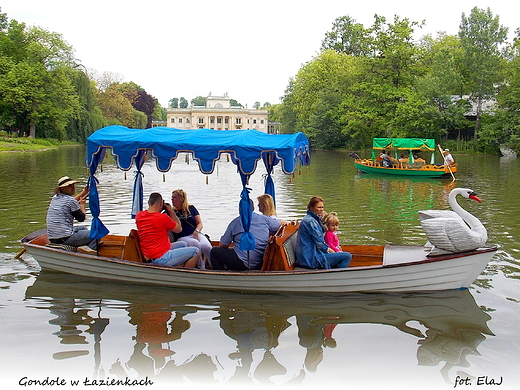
(66,181)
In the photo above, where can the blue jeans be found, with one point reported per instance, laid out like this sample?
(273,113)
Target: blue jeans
(80,237)
(339,259)
(178,254)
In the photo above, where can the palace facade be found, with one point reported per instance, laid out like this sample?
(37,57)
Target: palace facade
(218,114)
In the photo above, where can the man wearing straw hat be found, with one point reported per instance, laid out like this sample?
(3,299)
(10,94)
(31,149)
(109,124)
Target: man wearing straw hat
(63,210)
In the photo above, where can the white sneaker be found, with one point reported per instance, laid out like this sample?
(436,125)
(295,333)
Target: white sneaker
(86,249)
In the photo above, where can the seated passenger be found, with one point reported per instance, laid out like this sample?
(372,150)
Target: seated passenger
(225,258)
(153,226)
(387,162)
(331,238)
(266,205)
(65,207)
(403,161)
(418,159)
(312,251)
(191,223)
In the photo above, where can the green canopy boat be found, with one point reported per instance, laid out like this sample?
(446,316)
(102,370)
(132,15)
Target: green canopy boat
(404,157)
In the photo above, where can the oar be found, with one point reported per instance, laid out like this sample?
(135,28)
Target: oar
(445,163)
(17,256)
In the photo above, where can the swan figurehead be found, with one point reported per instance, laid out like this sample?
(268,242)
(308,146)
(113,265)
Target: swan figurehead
(453,231)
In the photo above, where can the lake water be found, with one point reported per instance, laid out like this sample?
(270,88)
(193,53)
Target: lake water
(70,329)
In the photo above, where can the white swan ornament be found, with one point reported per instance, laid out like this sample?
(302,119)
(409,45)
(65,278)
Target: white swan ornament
(453,231)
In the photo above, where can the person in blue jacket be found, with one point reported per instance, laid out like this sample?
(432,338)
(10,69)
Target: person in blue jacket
(312,250)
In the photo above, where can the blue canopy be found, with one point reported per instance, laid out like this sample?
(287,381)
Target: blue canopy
(206,146)
(246,148)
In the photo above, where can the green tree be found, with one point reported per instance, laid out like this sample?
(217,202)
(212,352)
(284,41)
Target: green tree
(140,101)
(35,87)
(274,111)
(174,103)
(199,101)
(481,36)
(116,108)
(183,103)
(159,113)
(505,126)
(313,98)
(347,36)
(440,80)
(382,99)
(89,117)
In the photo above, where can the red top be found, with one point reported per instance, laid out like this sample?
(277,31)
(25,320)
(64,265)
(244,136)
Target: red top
(153,233)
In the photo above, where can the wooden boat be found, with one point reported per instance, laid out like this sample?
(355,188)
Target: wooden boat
(411,167)
(507,151)
(373,268)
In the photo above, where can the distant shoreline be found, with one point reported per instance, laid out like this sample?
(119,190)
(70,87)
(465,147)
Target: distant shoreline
(11,147)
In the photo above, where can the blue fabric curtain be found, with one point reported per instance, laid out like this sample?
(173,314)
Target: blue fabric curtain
(270,160)
(97,229)
(138,193)
(247,241)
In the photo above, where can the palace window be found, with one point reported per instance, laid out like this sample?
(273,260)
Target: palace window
(172,120)
(180,120)
(238,121)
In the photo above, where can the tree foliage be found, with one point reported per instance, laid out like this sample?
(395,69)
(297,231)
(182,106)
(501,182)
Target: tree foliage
(199,101)
(504,128)
(183,103)
(35,90)
(481,36)
(381,82)
(45,92)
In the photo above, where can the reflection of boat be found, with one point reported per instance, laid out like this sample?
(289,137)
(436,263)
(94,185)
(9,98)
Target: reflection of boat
(445,311)
(373,268)
(412,166)
(449,325)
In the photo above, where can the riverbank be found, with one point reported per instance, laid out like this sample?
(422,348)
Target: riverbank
(22,144)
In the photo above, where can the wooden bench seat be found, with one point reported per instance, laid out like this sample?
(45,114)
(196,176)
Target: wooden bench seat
(122,247)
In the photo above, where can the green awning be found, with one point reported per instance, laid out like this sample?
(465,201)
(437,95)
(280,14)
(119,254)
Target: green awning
(422,144)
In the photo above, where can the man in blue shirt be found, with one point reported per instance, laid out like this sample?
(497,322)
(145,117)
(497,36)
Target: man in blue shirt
(223,257)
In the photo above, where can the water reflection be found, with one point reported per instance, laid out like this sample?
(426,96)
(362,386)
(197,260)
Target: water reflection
(245,329)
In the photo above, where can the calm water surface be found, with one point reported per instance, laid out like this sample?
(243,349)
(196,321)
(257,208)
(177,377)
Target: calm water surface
(79,329)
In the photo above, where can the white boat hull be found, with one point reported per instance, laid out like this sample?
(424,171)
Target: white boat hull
(405,268)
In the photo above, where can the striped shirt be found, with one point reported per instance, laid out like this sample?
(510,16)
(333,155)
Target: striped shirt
(60,215)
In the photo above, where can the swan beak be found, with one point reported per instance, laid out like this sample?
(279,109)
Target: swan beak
(475,197)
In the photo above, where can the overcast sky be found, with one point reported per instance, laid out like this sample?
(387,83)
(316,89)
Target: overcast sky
(249,49)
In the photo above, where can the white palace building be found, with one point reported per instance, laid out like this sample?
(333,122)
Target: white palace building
(218,114)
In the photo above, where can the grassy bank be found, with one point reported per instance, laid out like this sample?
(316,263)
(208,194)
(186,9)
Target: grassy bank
(22,144)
